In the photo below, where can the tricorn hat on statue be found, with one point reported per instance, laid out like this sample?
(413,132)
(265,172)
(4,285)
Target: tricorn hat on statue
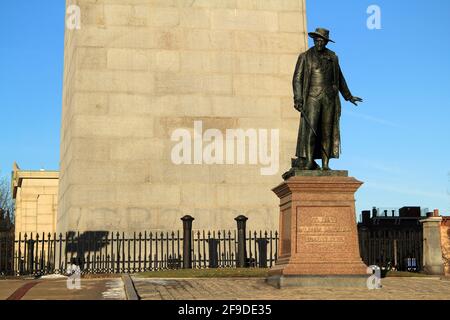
(321,33)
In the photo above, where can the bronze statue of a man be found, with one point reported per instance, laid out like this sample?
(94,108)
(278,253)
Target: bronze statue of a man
(317,82)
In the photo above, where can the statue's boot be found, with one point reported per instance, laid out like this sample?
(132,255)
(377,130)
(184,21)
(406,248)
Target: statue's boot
(304,164)
(311,165)
(325,166)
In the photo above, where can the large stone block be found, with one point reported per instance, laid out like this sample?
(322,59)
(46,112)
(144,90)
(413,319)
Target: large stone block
(193,83)
(141,59)
(130,37)
(161,17)
(108,172)
(135,149)
(115,81)
(140,104)
(124,15)
(195,18)
(112,126)
(289,22)
(269,42)
(208,3)
(273,5)
(199,195)
(91,149)
(242,196)
(253,107)
(98,195)
(254,63)
(287,63)
(206,62)
(91,58)
(263,85)
(201,39)
(244,20)
(89,103)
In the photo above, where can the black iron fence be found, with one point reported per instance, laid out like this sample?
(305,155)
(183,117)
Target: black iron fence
(6,241)
(400,249)
(103,252)
(220,249)
(398,245)
(6,253)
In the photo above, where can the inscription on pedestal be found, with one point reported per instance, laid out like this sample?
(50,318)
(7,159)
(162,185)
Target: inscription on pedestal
(322,229)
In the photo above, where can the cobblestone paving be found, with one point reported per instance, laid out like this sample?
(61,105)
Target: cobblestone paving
(257,289)
(56,289)
(91,289)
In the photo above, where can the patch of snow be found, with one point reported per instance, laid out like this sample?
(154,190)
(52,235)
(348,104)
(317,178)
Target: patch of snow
(115,290)
(54,276)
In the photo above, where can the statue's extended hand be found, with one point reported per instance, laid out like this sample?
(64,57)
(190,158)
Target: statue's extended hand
(354,100)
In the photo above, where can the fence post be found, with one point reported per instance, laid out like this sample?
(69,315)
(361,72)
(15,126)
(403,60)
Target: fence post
(242,251)
(187,241)
(432,249)
(213,254)
(262,248)
(30,255)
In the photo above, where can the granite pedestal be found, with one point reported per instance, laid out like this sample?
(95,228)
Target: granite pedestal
(318,235)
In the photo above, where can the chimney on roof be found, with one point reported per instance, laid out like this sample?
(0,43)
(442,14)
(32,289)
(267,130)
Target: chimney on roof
(365,217)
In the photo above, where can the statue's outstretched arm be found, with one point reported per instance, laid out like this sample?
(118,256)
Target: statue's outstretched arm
(345,91)
(343,88)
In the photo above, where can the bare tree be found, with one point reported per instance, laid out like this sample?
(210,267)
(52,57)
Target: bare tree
(6,200)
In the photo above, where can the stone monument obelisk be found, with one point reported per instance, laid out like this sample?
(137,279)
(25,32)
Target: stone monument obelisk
(135,72)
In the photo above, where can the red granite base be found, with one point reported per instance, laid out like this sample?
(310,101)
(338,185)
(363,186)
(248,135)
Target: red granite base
(318,234)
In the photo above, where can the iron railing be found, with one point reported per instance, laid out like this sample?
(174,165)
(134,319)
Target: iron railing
(105,252)
(401,249)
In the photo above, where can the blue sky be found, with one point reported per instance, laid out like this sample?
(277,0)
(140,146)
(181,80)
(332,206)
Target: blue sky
(396,142)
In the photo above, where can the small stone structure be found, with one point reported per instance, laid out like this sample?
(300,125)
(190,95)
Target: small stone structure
(36,199)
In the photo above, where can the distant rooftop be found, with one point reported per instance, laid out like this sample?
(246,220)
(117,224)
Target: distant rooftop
(18,175)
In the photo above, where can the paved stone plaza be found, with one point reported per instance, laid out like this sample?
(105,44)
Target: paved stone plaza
(224,289)
(256,288)
(91,289)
